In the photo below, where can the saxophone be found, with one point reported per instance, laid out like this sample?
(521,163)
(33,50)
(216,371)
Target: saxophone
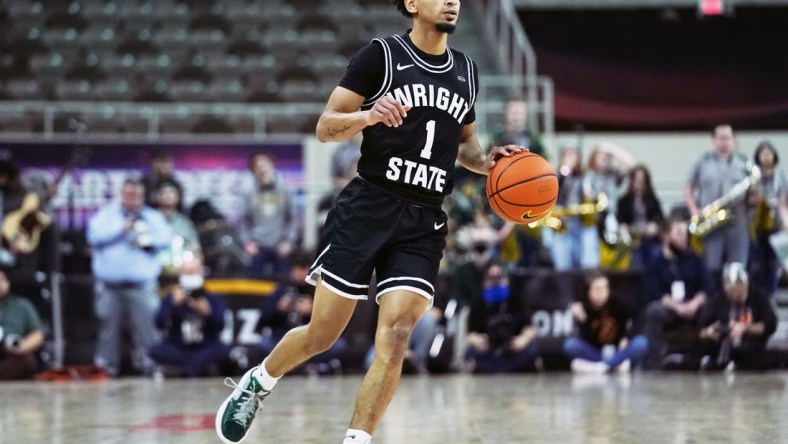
(554,219)
(717,213)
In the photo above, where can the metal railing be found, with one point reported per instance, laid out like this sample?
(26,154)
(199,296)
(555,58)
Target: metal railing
(513,52)
(69,121)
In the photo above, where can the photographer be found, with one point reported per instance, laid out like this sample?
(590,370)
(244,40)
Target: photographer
(126,237)
(500,337)
(191,321)
(21,334)
(291,306)
(739,327)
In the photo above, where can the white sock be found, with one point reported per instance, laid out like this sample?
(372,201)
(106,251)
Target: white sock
(355,436)
(266,381)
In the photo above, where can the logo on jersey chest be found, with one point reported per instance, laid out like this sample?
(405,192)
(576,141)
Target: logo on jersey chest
(419,94)
(415,173)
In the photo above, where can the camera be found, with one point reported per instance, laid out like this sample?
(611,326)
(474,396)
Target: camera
(9,341)
(141,237)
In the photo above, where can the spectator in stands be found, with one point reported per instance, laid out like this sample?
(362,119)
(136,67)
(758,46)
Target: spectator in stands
(500,337)
(608,165)
(269,228)
(126,237)
(522,245)
(21,334)
(191,320)
(713,177)
(291,306)
(639,214)
(185,243)
(603,342)
(22,218)
(515,129)
(575,244)
(769,213)
(677,284)
(161,171)
(344,163)
(740,324)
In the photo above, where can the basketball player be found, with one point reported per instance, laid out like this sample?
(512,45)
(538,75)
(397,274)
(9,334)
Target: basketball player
(413,98)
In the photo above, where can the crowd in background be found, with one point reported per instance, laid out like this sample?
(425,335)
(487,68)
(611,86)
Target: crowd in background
(709,268)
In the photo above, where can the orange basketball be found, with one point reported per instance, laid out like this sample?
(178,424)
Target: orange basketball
(522,188)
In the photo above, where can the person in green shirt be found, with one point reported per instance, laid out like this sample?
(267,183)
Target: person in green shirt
(21,334)
(515,128)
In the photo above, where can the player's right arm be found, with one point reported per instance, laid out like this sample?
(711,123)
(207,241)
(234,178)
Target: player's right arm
(342,119)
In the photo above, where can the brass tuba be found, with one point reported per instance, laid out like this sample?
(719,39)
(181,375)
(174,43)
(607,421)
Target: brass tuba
(717,213)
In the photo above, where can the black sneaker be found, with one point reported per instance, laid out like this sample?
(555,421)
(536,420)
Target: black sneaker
(237,412)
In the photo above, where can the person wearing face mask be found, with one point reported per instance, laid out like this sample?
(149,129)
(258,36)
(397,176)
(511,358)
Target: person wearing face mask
(500,337)
(676,283)
(191,321)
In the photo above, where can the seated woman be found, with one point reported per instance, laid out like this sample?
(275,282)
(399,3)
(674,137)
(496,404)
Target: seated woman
(601,344)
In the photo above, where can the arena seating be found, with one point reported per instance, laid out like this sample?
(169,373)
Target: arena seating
(164,51)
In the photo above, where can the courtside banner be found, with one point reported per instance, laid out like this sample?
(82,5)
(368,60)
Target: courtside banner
(88,176)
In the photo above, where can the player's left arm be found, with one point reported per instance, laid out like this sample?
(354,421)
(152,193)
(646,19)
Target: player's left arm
(471,154)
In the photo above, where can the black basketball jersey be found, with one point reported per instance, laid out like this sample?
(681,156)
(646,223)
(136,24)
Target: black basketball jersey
(416,160)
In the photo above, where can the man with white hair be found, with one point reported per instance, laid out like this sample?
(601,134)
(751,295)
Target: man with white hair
(738,328)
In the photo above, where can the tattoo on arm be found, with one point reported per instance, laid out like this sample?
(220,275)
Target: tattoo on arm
(333,133)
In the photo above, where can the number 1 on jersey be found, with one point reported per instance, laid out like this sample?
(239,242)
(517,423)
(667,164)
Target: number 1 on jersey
(426,152)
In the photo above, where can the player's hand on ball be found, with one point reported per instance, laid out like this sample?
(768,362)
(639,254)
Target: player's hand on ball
(501,151)
(389,111)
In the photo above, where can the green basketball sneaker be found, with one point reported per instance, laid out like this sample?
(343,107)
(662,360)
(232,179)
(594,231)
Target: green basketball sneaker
(236,414)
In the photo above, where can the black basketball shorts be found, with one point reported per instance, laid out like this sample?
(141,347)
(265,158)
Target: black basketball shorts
(371,230)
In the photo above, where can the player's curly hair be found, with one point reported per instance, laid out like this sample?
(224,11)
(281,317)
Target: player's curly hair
(401,6)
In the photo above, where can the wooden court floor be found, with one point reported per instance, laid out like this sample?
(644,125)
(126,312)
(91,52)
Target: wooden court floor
(671,408)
